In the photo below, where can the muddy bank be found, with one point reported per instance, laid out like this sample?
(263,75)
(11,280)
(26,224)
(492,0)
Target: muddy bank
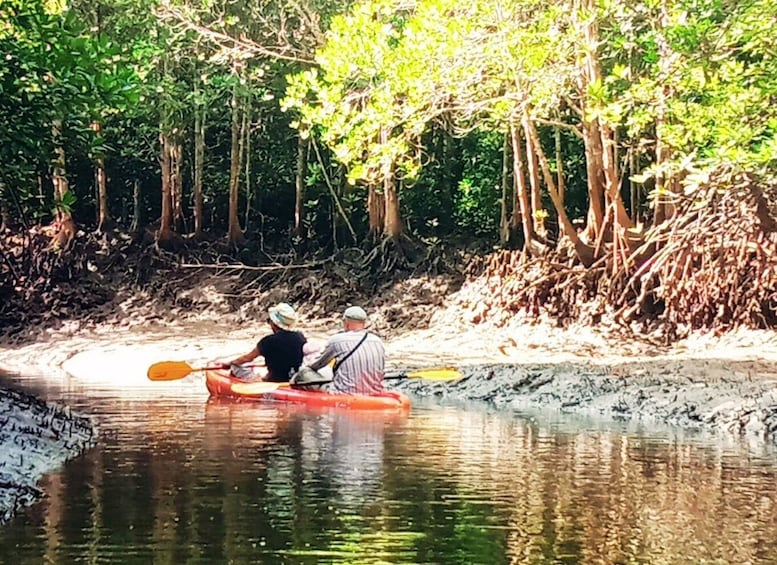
(744,407)
(35,438)
(115,280)
(722,383)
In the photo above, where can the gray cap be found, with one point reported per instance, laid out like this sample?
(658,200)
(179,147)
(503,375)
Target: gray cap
(355,313)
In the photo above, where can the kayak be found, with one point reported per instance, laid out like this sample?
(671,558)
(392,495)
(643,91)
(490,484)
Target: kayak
(220,383)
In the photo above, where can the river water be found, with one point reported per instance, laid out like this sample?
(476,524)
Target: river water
(177,478)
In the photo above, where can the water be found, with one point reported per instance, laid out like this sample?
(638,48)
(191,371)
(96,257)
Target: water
(178,479)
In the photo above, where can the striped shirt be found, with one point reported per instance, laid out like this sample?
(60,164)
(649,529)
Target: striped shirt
(362,372)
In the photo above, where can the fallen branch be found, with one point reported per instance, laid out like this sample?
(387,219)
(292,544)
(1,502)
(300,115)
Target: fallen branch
(241,267)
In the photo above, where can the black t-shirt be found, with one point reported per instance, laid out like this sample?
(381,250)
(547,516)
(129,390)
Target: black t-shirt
(282,353)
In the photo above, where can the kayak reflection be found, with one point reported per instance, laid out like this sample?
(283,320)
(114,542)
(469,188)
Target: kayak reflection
(326,452)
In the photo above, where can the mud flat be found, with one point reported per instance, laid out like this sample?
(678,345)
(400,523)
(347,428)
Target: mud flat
(717,398)
(35,438)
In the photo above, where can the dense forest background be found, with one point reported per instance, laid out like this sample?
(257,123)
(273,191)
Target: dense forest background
(605,158)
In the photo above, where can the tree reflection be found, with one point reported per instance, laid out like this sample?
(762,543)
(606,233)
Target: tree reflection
(252,482)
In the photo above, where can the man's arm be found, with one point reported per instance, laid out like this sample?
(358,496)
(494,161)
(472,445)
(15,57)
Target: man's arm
(323,360)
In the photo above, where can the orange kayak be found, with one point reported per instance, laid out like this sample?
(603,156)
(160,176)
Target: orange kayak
(219,383)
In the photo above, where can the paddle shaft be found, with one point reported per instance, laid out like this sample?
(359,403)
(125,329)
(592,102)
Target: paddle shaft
(413,375)
(174,370)
(261,387)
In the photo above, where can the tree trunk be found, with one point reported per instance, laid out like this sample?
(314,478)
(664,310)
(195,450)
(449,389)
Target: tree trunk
(521,190)
(376,210)
(532,166)
(176,182)
(58,177)
(336,198)
(612,178)
(245,134)
(584,252)
(41,189)
(299,192)
(235,233)
(66,229)
(199,160)
(595,175)
(504,219)
(590,127)
(560,182)
(137,221)
(451,165)
(5,215)
(5,222)
(665,187)
(393,219)
(634,187)
(600,144)
(103,216)
(166,232)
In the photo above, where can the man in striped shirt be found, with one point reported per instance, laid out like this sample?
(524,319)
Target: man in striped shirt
(359,356)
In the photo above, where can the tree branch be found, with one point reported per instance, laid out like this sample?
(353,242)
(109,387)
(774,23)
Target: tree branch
(574,129)
(242,45)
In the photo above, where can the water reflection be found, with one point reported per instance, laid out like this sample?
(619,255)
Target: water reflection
(188,481)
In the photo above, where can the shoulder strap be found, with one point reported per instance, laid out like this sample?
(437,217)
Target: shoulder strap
(351,352)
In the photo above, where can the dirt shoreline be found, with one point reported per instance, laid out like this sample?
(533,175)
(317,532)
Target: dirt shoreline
(723,384)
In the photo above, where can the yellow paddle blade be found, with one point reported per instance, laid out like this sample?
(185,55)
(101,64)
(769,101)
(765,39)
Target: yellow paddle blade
(441,374)
(256,388)
(169,370)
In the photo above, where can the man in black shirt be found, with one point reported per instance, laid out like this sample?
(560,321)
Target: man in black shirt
(282,349)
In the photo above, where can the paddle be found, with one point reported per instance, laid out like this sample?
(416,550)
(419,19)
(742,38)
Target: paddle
(260,387)
(441,374)
(174,370)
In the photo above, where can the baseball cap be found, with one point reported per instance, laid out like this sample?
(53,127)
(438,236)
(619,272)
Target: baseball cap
(355,313)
